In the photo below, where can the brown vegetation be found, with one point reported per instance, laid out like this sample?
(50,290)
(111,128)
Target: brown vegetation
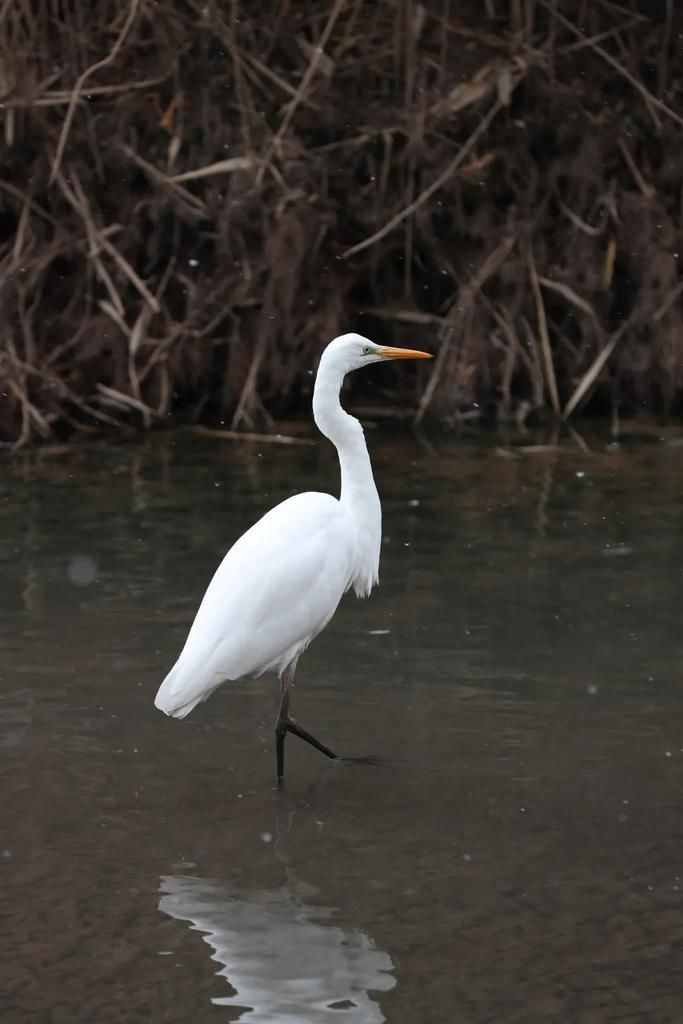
(195,195)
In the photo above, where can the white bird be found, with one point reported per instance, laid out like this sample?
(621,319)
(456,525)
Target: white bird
(281,582)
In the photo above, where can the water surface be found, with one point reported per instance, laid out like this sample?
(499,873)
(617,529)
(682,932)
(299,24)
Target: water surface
(517,859)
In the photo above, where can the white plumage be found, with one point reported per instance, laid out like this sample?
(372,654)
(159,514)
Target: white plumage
(248,623)
(281,582)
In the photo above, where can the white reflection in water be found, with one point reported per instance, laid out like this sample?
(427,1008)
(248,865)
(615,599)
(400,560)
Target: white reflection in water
(286,963)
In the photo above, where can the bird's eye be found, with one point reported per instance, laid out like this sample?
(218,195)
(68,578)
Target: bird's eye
(366,350)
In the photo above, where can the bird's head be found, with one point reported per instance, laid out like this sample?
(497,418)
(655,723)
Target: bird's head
(353,351)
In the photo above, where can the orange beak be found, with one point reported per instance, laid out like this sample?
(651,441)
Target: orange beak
(402,353)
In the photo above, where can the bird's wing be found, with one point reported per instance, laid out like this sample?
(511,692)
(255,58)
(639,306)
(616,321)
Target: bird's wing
(276,588)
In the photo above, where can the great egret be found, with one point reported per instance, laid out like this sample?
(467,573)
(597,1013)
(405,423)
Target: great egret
(280,583)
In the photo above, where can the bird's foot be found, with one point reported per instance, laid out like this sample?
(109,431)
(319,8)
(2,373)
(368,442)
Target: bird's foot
(297,730)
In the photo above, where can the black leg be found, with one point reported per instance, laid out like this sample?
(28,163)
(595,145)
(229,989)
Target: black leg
(280,752)
(281,727)
(285,723)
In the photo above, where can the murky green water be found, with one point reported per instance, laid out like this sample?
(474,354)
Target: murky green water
(520,666)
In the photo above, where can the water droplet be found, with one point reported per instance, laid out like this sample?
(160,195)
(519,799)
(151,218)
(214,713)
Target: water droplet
(81,570)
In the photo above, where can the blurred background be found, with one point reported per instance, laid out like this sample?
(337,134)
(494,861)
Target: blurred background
(196,196)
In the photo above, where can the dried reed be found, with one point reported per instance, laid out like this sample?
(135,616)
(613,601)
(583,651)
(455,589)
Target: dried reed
(195,195)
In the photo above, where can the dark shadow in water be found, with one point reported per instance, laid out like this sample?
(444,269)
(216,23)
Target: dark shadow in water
(280,952)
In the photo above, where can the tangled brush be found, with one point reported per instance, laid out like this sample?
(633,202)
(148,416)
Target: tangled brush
(195,196)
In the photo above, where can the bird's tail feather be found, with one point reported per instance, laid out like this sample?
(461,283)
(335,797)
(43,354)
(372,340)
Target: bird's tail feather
(181,691)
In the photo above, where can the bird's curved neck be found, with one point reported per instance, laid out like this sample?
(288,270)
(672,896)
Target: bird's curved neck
(358,491)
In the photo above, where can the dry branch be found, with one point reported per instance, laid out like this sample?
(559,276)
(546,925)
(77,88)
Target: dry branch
(438,183)
(78,87)
(543,332)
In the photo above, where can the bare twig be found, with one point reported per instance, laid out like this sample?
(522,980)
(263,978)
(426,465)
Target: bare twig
(30,413)
(111,56)
(594,371)
(587,229)
(268,72)
(12,190)
(121,401)
(21,231)
(671,298)
(62,97)
(666,42)
(601,36)
(570,295)
(460,307)
(235,163)
(543,332)
(99,241)
(646,190)
(240,435)
(249,388)
(193,202)
(438,183)
(647,95)
(316,57)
